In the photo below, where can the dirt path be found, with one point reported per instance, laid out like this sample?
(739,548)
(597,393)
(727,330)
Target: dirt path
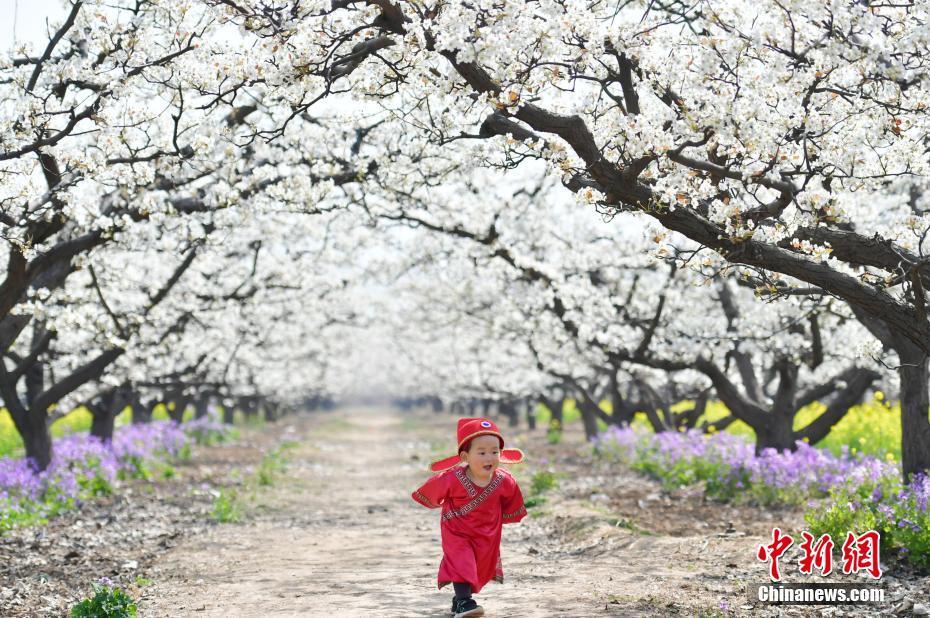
(341,537)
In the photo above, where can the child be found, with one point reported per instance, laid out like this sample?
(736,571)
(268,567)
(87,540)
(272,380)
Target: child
(476,498)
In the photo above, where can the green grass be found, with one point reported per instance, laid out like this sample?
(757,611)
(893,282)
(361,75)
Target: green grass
(273,464)
(232,503)
(628,524)
(543,481)
(226,506)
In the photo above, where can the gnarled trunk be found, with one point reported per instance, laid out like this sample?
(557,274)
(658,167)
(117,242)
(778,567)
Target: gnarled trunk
(201,406)
(531,415)
(31,423)
(555,407)
(105,410)
(915,401)
(180,406)
(271,411)
(589,418)
(102,423)
(509,410)
(776,433)
(622,413)
(37,440)
(142,411)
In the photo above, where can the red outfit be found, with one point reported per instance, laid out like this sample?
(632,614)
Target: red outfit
(472,518)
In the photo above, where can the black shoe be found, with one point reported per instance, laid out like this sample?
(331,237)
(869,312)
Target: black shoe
(466,608)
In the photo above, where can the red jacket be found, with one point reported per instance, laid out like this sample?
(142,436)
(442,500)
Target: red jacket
(472,518)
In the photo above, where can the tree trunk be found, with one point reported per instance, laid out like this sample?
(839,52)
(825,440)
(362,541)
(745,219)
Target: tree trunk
(622,413)
(201,406)
(915,401)
(588,419)
(35,382)
(101,425)
(508,409)
(652,415)
(31,423)
(777,433)
(557,423)
(142,411)
(36,438)
(180,405)
(229,412)
(271,411)
(250,407)
(105,410)
(531,415)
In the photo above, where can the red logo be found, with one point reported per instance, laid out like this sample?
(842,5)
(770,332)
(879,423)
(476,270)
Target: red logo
(860,553)
(773,551)
(819,554)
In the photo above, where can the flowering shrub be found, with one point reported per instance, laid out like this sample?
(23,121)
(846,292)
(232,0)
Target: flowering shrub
(898,512)
(730,469)
(843,492)
(84,466)
(208,430)
(107,602)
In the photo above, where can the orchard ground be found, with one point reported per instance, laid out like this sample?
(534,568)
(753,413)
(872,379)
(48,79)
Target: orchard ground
(337,533)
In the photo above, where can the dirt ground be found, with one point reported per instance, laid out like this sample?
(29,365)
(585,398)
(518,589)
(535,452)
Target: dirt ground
(337,535)
(340,536)
(44,570)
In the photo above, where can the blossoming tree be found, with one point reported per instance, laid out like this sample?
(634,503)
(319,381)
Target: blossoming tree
(787,138)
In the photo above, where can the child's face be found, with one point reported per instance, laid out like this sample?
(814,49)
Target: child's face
(483,456)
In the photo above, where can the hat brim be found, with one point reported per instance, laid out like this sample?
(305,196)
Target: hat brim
(508,456)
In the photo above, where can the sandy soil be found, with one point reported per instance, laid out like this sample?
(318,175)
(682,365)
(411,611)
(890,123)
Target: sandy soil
(340,536)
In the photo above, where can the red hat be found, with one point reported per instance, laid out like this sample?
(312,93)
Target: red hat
(469,429)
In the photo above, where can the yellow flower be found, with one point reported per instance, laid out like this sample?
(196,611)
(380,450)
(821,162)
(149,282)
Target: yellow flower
(889,456)
(879,395)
